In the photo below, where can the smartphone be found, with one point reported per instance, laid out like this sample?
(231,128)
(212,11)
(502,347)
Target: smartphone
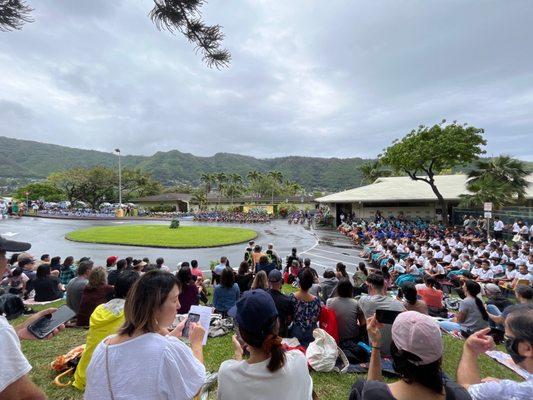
(386,316)
(46,325)
(191,318)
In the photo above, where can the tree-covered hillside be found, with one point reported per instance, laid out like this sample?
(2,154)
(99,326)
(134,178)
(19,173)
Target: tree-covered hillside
(29,159)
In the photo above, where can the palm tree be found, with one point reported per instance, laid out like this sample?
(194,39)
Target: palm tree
(276,178)
(488,188)
(208,179)
(371,171)
(199,197)
(221,179)
(505,169)
(253,178)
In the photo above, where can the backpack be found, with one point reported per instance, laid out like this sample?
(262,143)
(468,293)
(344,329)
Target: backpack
(11,306)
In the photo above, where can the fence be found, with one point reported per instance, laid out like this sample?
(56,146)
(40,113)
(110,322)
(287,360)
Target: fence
(508,215)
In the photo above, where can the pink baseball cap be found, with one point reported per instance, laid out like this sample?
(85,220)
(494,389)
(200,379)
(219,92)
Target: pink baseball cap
(418,334)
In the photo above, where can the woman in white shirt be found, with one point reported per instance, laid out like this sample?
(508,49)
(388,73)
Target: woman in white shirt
(270,372)
(145,360)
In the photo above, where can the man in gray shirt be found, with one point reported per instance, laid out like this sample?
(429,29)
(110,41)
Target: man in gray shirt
(378,299)
(75,286)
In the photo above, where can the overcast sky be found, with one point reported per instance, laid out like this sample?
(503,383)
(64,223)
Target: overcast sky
(307,77)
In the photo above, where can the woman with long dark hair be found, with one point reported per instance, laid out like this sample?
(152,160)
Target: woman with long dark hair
(472,315)
(270,372)
(145,360)
(417,351)
(189,291)
(226,293)
(244,277)
(46,286)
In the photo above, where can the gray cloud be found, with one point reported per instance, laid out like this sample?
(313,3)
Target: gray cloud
(341,78)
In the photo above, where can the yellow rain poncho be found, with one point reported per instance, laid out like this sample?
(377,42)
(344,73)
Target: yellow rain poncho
(105,320)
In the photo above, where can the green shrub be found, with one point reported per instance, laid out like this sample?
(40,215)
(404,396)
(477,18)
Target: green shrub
(175,224)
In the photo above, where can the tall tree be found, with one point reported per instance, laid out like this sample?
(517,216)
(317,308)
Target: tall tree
(208,179)
(372,170)
(137,183)
(276,178)
(97,186)
(500,180)
(40,191)
(221,179)
(13,14)
(487,188)
(505,169)
(69,182)
(199,197)
(426,151)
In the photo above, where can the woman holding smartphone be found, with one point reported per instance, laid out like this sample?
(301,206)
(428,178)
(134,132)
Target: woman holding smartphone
(145,360)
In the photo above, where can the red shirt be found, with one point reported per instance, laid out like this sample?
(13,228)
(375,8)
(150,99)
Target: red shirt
(432,297)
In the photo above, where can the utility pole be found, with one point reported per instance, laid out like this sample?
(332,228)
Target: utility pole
(117,151)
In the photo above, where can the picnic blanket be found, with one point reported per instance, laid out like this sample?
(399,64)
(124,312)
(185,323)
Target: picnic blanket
(31,302)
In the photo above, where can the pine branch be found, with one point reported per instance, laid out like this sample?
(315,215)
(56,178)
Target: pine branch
(185,16)
(13,14)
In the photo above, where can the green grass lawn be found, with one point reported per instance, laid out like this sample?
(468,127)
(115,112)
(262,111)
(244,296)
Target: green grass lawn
(163,236)
(330,386)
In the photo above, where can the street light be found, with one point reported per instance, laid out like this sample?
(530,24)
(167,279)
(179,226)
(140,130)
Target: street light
(117,152)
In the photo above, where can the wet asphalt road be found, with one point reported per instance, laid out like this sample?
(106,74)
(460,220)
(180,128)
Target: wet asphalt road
(325,248)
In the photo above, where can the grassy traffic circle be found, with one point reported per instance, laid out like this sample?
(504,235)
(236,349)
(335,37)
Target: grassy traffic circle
(184,237)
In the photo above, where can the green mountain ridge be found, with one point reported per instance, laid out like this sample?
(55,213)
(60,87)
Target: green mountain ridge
(36,160)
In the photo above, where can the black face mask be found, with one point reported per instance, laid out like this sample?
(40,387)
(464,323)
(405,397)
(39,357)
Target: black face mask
(511,345)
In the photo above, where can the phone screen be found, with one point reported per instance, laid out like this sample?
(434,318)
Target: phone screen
(386,316)
(191,318)
(46,325)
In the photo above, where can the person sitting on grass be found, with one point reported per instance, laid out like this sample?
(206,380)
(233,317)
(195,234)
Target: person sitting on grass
(519,345)
(417,352)
(96,292)
(145,360)
(113,275)
(46,286)
(75,287)
(260,281)
(524,296)
(410,298)
(189,291)
(349,317)
(283,303)
(105,320)
(328,284)
(244,277)
(432,295)
(270,372)
(15,382)
(379,299)
(306,310)
(472,315)
(264,265)
(66,271)
(226,293)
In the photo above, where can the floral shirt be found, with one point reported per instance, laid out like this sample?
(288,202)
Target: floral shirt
(306,313)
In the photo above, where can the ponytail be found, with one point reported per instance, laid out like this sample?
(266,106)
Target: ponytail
(268,341)
(473,288)
(272,346)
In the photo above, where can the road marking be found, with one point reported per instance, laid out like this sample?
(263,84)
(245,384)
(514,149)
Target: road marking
(9,234)
(328,258)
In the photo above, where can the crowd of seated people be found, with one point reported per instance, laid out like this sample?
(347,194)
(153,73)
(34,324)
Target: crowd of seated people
(129,306)
(252,216)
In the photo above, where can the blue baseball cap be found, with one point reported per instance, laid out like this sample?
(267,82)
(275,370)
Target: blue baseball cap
(253,310)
